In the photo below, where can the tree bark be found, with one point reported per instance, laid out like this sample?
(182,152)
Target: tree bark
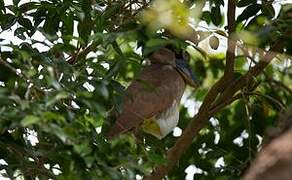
(274,161)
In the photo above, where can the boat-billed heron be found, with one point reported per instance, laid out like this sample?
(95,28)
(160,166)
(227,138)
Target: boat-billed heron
(152,100)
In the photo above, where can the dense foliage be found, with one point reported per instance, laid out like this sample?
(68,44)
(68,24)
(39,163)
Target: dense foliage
(64,77)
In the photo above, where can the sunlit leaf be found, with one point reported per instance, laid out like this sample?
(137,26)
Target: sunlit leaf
(29,120)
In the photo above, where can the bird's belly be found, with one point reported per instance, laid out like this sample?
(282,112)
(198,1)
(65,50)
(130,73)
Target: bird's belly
(163,123)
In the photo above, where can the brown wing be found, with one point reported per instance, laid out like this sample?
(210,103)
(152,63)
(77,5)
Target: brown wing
(154,91)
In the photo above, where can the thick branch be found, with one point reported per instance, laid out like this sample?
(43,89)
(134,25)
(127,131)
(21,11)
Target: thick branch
(274,161)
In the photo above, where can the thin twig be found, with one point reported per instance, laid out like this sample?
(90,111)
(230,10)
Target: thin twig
(217,108)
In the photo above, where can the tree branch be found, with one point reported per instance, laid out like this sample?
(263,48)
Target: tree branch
(253,72)
(230,54)
(273,161)
(214,109)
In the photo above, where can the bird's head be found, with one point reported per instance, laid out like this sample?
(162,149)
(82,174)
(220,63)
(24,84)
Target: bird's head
(182,65)
(163,56)
(179,61)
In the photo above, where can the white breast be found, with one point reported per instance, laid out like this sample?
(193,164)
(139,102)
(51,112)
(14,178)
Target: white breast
(168,120)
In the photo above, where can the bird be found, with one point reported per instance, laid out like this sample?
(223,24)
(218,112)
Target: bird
(151,101)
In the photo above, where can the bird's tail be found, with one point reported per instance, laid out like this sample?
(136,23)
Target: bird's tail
(125,123)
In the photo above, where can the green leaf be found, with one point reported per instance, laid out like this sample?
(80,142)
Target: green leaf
(52,21)
(19,32)
(216,15)
(2,7)
(248,12)
(25,23)
(82,149)
(114,70)
(219,2)
(15,2)
(58,97)
(84,28)
(29,120)
(243,3)
(157,158)
(39,16)
(67,27)
(288,46)
(111,10)
(268,10)
(7,20)
(50,116)
(240,61)
(200,69)
(103,90)
(28,6)
(154,44)
(206,16)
